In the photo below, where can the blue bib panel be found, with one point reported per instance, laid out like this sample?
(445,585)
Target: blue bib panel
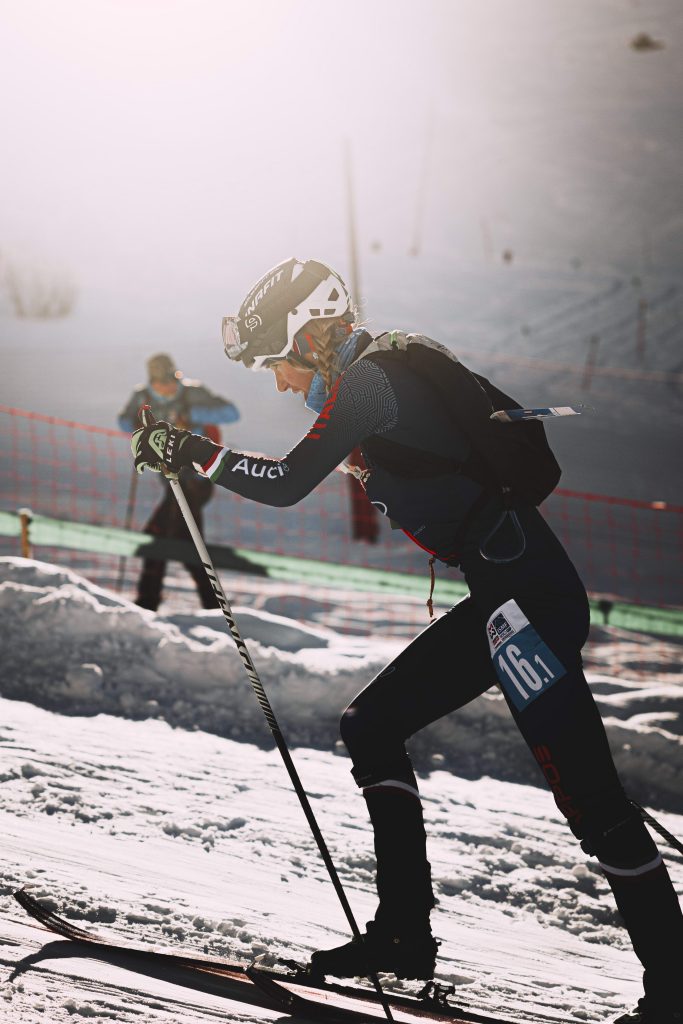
(525,665)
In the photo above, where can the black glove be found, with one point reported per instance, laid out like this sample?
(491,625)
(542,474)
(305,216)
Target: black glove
(158,446)
(163,448)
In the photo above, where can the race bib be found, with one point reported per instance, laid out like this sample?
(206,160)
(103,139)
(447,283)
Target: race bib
(525,665)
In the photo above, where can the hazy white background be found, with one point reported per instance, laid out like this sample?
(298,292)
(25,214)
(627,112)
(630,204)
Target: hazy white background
(162,155)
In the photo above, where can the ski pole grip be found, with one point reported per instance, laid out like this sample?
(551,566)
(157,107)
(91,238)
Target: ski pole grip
(148,419)
(146,416)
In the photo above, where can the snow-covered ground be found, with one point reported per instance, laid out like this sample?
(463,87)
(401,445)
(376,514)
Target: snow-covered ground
(138,783)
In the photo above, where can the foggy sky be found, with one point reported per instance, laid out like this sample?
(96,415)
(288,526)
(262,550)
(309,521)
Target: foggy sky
(164,145)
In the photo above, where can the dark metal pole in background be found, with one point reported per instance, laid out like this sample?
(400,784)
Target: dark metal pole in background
(351,221)
(130,511)
(364,515)
(416,245)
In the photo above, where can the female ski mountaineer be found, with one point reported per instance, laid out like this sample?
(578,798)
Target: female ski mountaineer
(522,626)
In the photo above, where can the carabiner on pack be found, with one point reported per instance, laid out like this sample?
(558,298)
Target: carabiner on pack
(498,559)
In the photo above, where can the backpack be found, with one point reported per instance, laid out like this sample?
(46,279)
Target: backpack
(514,458)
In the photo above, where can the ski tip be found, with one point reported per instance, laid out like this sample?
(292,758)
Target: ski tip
(27,889)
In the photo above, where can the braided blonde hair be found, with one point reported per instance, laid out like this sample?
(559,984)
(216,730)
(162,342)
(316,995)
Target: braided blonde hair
(326,348)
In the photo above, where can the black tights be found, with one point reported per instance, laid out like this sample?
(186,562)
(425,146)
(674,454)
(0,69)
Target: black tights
(450,664)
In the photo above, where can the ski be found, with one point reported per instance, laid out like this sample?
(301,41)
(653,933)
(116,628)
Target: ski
(289,987)
(68,930)
(342,1006)
(322,1009)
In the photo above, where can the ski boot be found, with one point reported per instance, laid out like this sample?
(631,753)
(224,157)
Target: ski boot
(407,954)
(648,1012)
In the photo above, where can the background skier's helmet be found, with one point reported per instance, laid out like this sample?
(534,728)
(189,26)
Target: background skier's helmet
(161,367)
(278,306)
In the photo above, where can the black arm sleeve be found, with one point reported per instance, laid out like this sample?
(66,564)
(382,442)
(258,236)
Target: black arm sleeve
(361,403)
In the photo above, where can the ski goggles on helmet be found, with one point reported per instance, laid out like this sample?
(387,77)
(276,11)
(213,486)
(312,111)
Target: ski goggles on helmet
(233,346)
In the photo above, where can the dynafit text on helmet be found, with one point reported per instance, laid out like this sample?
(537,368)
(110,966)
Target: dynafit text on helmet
(464,484)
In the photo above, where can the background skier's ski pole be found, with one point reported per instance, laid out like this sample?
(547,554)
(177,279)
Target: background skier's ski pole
(272,722)
(130,510)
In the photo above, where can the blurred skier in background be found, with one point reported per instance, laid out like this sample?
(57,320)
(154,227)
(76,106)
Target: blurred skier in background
(465,487)
(187,405)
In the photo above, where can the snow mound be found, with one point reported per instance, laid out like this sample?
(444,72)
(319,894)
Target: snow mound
(75,648)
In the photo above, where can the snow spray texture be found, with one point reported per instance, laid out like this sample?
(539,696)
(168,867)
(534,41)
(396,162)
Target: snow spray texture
(515,456)
(525,665)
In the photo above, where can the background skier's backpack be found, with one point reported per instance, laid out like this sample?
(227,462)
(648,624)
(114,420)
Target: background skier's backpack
(515,455)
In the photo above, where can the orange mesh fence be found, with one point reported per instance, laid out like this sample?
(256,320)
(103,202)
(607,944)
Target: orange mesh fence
(625,550)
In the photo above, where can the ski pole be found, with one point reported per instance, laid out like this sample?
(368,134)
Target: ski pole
(280,742)
(128,522)
(664,833)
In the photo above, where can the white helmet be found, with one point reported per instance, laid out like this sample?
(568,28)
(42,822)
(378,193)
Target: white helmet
(285,299)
